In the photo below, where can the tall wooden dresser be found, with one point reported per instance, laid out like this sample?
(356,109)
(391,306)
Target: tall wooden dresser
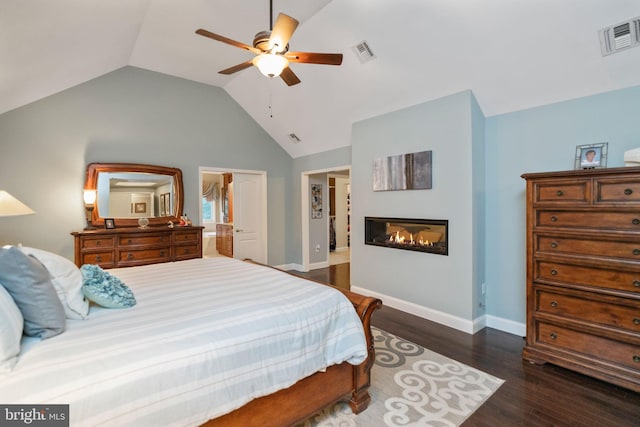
(127,247)
(583,272)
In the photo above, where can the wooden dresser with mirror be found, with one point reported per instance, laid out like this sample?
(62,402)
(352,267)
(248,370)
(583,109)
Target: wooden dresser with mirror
(583,272)
(125,193)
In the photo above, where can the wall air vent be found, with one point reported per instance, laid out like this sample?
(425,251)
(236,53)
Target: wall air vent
(620,36)
(363,51)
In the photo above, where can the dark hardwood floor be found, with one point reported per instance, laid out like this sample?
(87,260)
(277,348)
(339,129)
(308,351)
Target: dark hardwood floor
(532,395)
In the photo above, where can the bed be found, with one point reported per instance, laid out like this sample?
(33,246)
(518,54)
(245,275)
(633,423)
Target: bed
(214,341)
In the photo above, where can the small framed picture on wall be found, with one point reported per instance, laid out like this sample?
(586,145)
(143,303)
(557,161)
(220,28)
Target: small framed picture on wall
(591,156)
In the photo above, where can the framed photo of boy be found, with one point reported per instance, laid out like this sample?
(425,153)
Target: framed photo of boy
(591,156)
(109,223)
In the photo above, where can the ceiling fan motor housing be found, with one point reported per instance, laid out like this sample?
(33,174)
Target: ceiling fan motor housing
(261,41)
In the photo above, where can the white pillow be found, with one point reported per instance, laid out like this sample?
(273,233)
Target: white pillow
(67,279)
(11,325)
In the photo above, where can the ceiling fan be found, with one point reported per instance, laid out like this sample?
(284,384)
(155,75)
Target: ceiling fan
(272,50)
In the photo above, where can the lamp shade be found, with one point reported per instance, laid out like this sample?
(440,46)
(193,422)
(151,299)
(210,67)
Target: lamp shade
(10,206)
(269,64)
(89,197)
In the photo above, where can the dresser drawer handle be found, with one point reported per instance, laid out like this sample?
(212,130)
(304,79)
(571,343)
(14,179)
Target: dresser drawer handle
(560,193)
(554,244)
(636,283)
(129,241)
(628,191)
(636,358)
(553,335)
(554,272)
(98,242)
(98,258)
(129,255)
(161,253)
(636,321)
(554,304)
(554,218)
(636,251)
(635,221)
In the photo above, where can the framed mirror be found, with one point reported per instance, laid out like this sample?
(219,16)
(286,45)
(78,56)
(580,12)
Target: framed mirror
(127,192)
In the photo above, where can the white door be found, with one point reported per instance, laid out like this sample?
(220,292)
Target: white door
(249,217)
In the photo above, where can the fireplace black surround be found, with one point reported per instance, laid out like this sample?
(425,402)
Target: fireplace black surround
(421,235)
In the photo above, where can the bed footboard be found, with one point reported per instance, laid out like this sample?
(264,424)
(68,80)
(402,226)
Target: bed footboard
(297,403)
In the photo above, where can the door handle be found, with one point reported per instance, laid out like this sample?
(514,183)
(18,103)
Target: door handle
(239,230)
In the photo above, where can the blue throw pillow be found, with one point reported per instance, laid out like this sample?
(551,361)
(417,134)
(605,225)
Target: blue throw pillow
(104,289)
(29,284)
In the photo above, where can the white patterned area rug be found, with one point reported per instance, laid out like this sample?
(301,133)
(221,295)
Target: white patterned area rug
(413,386)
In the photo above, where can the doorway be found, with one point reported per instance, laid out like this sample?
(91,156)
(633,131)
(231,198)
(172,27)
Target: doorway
(317,231)
(233,202)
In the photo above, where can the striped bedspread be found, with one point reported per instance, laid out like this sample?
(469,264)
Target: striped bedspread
(206,337)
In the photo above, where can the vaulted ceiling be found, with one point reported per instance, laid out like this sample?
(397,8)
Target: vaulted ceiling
(513,54)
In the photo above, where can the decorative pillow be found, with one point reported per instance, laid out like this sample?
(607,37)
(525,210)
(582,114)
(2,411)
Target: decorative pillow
(66,279)
(104,289)
(11,324)
(28,282)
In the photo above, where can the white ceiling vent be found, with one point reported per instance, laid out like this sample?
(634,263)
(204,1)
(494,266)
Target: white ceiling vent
(363,51)
(620,36)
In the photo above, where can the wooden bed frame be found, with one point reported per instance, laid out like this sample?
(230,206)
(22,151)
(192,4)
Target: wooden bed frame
(339,383)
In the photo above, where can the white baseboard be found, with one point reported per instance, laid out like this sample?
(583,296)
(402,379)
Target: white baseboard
(464,325)
(317,265)
(297,267)
(506,325)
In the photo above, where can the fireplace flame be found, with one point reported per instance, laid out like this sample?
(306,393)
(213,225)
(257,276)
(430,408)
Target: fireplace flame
(399,239)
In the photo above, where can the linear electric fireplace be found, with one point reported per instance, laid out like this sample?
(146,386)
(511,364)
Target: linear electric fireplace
(422,235)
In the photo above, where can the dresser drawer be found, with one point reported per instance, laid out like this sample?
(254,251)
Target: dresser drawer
(144,256)
(183,252)
(100,242)
(588,246)
(574,192)
(103,259)
(144,239)
(558,272)
(597,220)
(590,308)
(186,236)
(609,350)
(618,191)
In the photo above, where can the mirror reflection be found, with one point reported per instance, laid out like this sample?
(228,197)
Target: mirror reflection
(135,195)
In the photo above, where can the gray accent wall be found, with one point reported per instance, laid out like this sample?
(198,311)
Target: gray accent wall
(130,115)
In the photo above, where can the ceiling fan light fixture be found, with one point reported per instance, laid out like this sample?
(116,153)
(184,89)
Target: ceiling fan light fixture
(269,64)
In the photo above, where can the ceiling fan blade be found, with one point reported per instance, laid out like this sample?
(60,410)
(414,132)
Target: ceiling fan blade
(289,77)
(226,40)
(282,31)
(236,68)
(315,58)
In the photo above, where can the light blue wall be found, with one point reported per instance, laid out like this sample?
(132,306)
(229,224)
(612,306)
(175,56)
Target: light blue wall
(445,284)
(337,158)
(478,185)
(130,115)
(538,140)
(319,227)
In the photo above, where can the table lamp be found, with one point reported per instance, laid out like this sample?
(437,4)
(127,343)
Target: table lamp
(89,197)
(10,206)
